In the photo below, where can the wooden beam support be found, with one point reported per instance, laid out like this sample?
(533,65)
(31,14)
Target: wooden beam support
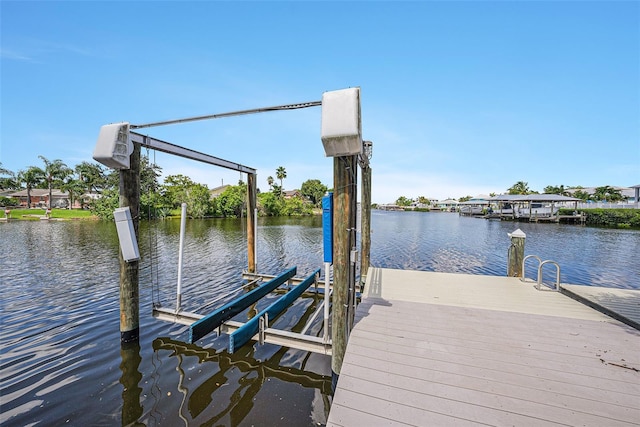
(344,184)
(365,231)
(251,221)
(129,271)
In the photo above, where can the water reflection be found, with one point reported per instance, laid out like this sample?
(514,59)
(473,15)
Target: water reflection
(130,380)
(61,356)
(229,392)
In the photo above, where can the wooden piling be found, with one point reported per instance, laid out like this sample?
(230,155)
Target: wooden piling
(129,271)
(516,253)
(365,232)
(344,175)
(251,222)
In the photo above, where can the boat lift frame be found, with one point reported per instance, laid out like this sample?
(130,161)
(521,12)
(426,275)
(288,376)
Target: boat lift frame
(220,319)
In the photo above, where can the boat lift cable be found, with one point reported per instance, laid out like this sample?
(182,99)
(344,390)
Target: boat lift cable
(230,114)
(153,243)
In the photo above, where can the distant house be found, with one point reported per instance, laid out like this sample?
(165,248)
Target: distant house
(216,192)
(447,205)
(630,194)
(289,194)
(636,193)
(40,198)
(474,206)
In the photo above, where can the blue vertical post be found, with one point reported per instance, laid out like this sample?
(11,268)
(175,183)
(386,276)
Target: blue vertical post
(327,227)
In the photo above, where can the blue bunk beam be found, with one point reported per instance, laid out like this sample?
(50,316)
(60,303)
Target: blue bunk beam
(243,334)
(211,321)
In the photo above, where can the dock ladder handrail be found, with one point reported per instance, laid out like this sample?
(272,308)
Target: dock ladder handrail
(524,278)
(539,284)
(540,265)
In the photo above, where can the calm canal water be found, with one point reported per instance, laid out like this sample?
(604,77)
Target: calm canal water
(62,363)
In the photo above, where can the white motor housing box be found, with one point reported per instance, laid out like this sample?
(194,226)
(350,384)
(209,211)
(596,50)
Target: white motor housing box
(114,146)
(126,234)
(341,123)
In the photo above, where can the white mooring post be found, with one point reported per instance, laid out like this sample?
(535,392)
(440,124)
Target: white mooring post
(255,239)
(516,254)
(183,223)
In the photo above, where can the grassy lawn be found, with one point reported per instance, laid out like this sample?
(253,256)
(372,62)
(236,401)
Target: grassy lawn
(35,214)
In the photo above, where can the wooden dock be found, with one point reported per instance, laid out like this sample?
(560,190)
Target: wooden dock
(454,349)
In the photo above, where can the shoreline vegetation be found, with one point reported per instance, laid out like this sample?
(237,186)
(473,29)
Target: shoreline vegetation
(93,192)
(597,217)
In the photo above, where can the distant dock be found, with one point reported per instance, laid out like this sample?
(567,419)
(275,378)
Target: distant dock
(458,349)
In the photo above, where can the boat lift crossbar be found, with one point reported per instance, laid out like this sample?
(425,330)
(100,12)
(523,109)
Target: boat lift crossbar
(270,335)
(260,321)
(187,153)
(213,320)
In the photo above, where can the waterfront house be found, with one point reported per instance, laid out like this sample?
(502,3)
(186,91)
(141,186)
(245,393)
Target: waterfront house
(290,194)
(216,192)
(447,205)
(475,206)
(40,198)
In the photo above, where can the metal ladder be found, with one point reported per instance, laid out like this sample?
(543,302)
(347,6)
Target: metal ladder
(541,264)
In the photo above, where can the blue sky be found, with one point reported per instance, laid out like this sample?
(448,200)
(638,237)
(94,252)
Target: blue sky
(459,98)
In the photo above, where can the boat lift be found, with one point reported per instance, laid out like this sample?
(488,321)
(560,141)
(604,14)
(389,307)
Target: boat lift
(220,319)
(257,328)
(341,134)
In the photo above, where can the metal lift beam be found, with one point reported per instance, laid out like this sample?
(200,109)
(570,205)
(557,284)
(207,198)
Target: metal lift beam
(210,322)
(242,335)
(167,147)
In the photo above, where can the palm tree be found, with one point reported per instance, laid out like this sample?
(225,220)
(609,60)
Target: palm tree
(54,171)
(607,193)
(31,177)
(92,175)
(281,174)
(519,187)
(9,182)
(75,188)
(270,181)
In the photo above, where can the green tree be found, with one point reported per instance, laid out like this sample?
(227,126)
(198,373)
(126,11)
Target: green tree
(55,172)
(423,200)
(403,201)
(270,182)
(8,181)
(176,188)
(582,195)
(556,189)
(270,204)
(465,199)
(281,174)
(607,193)
(93,176)
(152,202)
(31,177)
(519,187)
(276,189)
(231,202)
(107,203)
(198,201)
(75,187)
(314,190)
(295,206)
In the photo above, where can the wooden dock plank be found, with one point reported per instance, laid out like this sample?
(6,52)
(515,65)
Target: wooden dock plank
(534,378)
(432,344)
(621,304)
(512,385)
